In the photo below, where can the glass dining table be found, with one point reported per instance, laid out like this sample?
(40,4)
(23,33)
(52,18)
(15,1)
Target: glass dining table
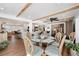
(43,43)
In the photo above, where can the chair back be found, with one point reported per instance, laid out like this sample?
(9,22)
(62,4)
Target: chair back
(61,45)
(28,46)
(59,36)
(72,35)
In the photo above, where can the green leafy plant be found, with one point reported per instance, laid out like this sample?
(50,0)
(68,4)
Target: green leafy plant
(3,44)
(69,45)
(75,47)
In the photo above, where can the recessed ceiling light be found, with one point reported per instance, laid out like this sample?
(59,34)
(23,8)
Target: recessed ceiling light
(1,8)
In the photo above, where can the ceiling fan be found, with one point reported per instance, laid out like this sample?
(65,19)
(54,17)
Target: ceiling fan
(54,19)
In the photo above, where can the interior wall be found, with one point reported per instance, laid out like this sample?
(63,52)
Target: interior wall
(69,27)
(77,29)
(1,22)
(0,26)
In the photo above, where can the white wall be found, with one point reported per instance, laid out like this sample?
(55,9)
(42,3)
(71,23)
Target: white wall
(77,28)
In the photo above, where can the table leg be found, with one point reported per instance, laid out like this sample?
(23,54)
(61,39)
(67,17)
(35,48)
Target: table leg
(44,45)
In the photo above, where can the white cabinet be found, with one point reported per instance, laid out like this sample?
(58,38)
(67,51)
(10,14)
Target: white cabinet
(3,36)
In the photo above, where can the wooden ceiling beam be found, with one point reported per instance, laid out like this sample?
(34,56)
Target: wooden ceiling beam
(23,8)
(59,12)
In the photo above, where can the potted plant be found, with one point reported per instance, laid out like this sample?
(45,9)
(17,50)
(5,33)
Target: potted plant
(3,44)
(74,48)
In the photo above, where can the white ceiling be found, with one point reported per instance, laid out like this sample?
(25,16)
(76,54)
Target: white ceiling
(36,10)
(10,8)
(42,9)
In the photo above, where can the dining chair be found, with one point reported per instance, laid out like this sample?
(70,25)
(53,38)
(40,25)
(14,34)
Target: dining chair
(58,36)
(31,49)
(72,36)
(53,50)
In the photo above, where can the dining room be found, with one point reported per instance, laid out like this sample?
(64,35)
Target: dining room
(39,29)
(49,36)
